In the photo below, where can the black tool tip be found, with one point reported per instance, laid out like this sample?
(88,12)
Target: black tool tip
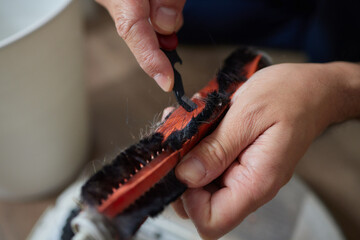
(187,104)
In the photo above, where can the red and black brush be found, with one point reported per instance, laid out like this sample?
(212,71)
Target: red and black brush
(140,181)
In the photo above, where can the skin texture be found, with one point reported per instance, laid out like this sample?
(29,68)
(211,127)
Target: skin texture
(137,21)
(273,119)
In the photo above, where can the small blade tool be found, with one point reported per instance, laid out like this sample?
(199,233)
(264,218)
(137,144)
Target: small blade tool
(168,44)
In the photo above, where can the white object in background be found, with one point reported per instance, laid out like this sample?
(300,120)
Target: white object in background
(294,214)
(43,112)
(51,223)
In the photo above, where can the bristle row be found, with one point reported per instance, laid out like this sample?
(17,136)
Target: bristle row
(151,204)
(232,71)
(121,169)
(214,102)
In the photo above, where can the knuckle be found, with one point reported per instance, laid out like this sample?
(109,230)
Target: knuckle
(139,46)
(125,22)
(147,62)
(278,176)
(214,151)
(147,58)
(251,116)
(124,25)
(264,187)
(127,14)
(209,232)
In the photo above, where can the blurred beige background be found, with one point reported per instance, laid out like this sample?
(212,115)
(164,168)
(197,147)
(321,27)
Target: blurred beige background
(125,102)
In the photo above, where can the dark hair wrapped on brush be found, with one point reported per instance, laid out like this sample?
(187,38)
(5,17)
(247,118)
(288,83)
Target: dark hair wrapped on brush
(141,181)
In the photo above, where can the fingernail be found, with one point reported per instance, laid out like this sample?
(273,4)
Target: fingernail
(166,113)
(163,81)
(166,19)
(191,170)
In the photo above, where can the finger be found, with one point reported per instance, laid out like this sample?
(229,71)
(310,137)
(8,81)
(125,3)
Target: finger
(179,208)
(167,112)
(246,186)
(215,153)
(132,22)
(178,205)
(179,23)
(166,15)
(216,214)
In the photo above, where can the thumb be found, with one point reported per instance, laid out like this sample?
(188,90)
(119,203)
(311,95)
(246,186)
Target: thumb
(215,153)
(132,22)
(206,161)
(166,15)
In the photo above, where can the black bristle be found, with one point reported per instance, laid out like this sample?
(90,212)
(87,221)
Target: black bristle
(214,101)
(164,192)
(140,159)
(232,70)
(167,190)
(102,183)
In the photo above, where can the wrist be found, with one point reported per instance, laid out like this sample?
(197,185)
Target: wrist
(347,90)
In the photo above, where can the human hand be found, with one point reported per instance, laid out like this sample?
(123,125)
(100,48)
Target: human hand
(137,21)
(273,119)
